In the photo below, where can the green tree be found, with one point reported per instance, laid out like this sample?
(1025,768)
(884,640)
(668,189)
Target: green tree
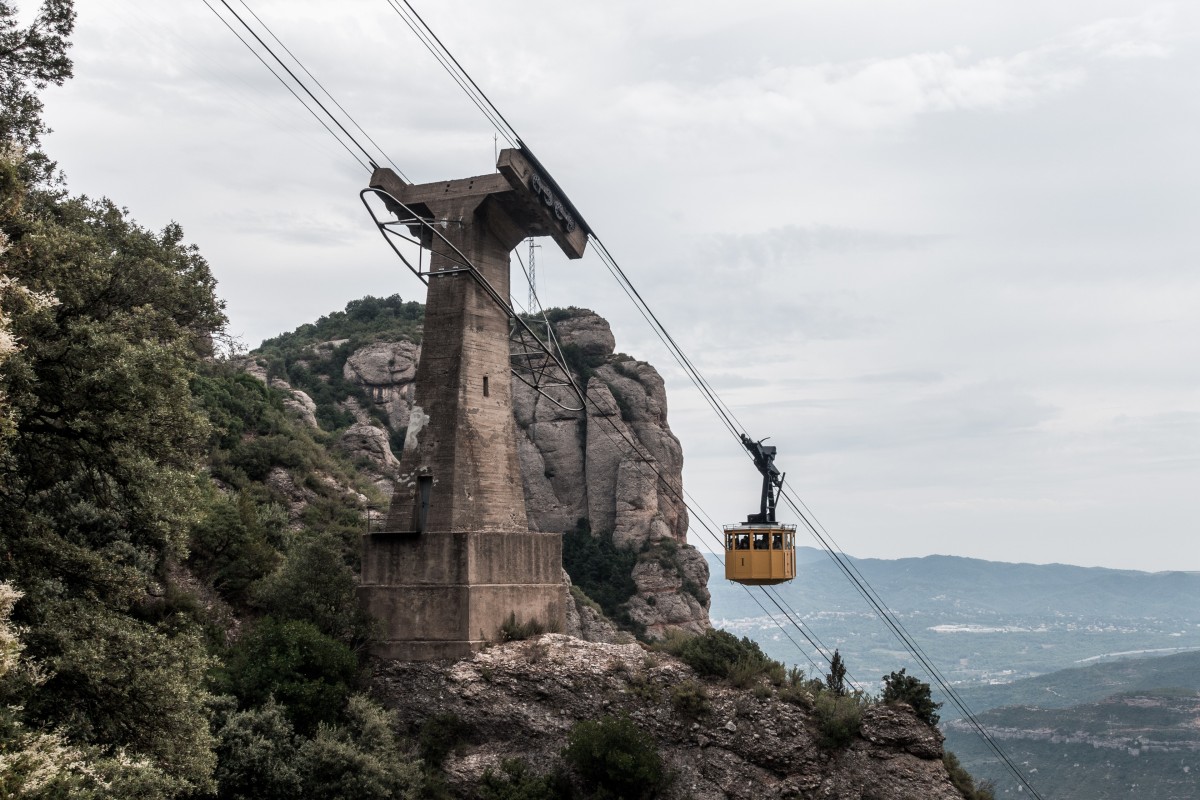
(315,584)
(616,759)
(102,325)
(257,756)
(97,486)
(31,58)
(307,672)
(901,688)
(230,546)
(603,571)
(835,679)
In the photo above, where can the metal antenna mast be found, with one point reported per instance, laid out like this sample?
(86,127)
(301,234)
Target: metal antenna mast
(533,245)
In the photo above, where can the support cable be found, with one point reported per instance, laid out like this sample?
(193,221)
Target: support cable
(427,38)
(477,95)
(722,410)
(696,511)
(724,413)
(321,86)
(285,84)
(300,83)
(846,565)
(644,458)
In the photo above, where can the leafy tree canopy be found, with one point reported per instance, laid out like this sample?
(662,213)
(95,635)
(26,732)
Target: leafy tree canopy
(31,58)
(901,688)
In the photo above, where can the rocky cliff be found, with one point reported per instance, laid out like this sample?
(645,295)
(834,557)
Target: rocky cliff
(520,700)
(614,469)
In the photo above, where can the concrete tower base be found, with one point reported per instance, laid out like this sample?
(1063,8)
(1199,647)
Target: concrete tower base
(456,557)
(445,595)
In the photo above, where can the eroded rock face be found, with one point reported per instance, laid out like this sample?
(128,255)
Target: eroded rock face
(365,442)
(619,466)
(369,446)
(586,621)
(385,371)
(520,700)
(295,401)
(616,464)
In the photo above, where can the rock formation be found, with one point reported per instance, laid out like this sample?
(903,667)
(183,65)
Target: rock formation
(616,465)
(619,466)
(520,699)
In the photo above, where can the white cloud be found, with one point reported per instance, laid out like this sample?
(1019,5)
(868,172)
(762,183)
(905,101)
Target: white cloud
(890,93)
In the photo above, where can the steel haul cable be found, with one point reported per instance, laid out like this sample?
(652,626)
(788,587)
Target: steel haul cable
(706,520)
(721,409)
(776,600)
(321,86)
(724,413)
(293,76)
(279,78)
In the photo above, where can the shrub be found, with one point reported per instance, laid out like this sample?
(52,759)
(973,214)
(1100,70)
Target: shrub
(839,718)
(615,760)
(513,631)
(720,654)
(439,736)
(360,761)
(306,671)
(963,781)
(517,781)
(691,700)
(256,457)
(901,688)
(795,689)
(599,568)
(256,755)
(744,673)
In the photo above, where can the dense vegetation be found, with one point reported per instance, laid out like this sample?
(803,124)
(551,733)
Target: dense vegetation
(603,571)
(290,356)
(130,563)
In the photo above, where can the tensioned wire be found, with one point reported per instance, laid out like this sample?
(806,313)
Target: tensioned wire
(321,86)
(691,507)
(682,495)
(279,78)
(471,88)
(727,418)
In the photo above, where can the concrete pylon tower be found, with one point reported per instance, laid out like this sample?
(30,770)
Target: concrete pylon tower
(456,557)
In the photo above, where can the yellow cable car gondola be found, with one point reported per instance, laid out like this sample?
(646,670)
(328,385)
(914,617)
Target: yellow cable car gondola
(760,551)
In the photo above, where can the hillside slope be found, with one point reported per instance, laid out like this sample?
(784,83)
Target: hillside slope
(1092,683)
(526,697)
(1140,744)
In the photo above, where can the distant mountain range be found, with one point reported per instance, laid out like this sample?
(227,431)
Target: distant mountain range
(1089,678)
(980,621)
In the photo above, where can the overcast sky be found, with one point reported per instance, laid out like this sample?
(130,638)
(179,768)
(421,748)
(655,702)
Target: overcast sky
(942,253)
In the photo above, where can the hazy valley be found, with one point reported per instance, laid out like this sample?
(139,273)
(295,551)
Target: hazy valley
(1089,678)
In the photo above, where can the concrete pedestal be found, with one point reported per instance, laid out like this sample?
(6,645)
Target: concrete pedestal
(456,557)
(444,595)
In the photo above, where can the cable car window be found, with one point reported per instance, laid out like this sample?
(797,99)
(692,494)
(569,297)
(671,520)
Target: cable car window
(743,541)
(760,541)
(777,541)
(729,541)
